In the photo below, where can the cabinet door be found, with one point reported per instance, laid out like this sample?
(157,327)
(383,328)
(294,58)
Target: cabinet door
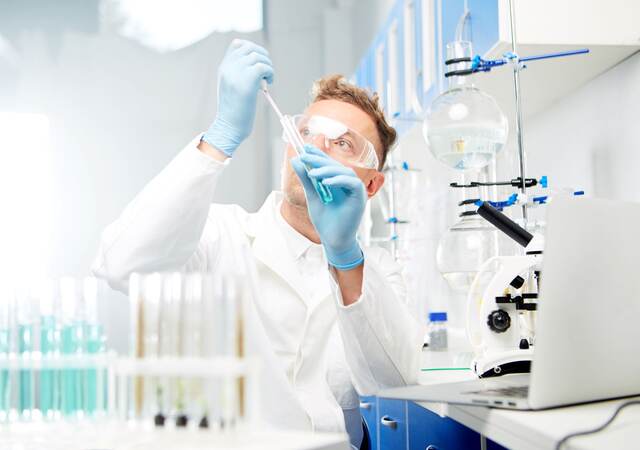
(369,411)
(494,445)
(392,423)
(428,430)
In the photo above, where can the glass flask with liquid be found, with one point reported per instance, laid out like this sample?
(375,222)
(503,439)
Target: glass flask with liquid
(464,127)
(463,248)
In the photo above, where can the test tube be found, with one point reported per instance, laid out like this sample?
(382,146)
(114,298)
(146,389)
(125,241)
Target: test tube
(49,392)
(233,387)
(25,308)
(146,395)
(192,318)
(95,395)
(155,404)
(210,332)
(72,338)
(5,349)
(170,311)
(293,137)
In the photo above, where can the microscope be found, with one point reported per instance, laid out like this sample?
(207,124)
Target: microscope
(502,303)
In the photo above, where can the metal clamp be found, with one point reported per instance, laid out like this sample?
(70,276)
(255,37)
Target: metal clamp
(366,405)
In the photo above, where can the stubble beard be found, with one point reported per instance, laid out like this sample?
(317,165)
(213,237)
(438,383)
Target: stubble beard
(293,190)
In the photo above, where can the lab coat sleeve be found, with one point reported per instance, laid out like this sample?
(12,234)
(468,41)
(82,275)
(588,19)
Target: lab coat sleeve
(163,228)
(382,340)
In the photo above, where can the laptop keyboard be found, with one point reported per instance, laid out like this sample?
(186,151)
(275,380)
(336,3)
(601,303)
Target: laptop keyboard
(515,391)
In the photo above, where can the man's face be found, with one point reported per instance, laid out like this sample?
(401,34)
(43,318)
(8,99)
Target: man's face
(354,118)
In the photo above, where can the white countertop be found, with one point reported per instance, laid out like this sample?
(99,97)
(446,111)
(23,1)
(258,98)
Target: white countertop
(106,436)
(533,430)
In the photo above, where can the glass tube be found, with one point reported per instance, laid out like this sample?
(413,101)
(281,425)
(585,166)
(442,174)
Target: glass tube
(49,393)
(95,380)
(72,339)
(25,340)
(5,349)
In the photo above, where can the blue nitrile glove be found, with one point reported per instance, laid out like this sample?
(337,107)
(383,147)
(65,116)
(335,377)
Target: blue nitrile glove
(336,222)
(239,75)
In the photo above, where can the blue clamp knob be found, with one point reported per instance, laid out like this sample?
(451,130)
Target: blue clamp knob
(577,193)
(540,200)
(392,220)
(544,182)
(510,56)
(476,62)
(405,165)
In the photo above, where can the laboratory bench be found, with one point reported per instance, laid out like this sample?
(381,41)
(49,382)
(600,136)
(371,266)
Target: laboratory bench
(406,425)
(118,436)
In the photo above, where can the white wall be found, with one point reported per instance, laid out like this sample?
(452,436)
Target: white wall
(590,139)
(118,114)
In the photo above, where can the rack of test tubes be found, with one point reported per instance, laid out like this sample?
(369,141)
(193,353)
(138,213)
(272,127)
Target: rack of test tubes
(187,366)
(53,358)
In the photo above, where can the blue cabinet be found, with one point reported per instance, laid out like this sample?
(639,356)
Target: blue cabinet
(402,425)
(392,423)
(429,430)
(494,446)
(369,411)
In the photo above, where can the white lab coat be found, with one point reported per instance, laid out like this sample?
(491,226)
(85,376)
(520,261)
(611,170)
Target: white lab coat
(317,353)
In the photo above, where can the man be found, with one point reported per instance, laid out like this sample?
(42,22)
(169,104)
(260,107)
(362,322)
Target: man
(331,320)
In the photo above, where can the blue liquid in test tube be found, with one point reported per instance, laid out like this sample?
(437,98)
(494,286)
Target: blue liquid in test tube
(49,392)
(296,141)
(72,339)
(25,347)
(95,379)
(5,334)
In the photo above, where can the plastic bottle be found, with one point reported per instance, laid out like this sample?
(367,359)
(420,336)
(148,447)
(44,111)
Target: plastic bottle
(437,331)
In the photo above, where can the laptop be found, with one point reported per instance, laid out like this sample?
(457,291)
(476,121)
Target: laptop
(587,345)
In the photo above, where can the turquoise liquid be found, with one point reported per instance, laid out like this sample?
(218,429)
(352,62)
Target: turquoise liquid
(95,396)
(4,373)
(71,379)
(49,390)
(323,191)
(25,346)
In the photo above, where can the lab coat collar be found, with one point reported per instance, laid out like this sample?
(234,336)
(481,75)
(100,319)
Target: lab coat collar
(270,241)
(296,242)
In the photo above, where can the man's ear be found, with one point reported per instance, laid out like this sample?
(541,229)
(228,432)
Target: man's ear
(374,184)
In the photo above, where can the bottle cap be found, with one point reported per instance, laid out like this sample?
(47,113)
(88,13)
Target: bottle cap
(438,317)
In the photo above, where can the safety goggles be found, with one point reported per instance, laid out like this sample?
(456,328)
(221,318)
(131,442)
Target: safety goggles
(337,140)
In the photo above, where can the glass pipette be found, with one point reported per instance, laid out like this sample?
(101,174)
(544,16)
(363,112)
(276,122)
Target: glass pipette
(294,138)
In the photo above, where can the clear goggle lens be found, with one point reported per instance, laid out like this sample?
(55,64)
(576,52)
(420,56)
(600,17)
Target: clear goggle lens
(337,140)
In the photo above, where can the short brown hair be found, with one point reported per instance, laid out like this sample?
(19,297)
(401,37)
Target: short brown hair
(336,87)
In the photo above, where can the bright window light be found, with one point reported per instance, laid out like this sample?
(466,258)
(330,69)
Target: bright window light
(167,25)
(25,188)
